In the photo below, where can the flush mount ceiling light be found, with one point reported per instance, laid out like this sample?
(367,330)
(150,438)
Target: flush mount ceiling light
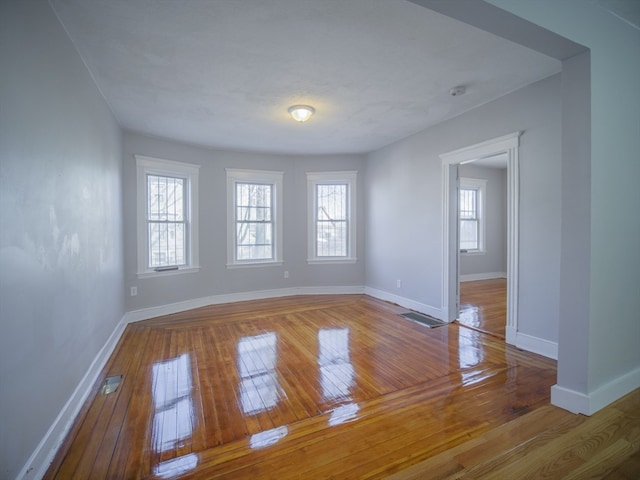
(301,113)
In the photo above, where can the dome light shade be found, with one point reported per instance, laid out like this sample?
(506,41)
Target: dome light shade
(301,113)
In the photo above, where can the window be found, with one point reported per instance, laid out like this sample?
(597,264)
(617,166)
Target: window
(332,223)
(254,215)
(167,216)
(470,205)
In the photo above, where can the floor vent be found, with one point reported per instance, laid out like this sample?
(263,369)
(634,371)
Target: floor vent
(110,384)
(423,319)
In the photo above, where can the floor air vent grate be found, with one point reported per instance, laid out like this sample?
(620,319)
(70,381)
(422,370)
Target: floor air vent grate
(423,319)
(110,384)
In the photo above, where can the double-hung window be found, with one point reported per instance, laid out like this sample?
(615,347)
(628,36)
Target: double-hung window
(254,216)
(167,216)
(471,214)
(332,221)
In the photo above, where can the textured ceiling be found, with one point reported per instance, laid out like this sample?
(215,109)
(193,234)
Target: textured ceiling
(222,73)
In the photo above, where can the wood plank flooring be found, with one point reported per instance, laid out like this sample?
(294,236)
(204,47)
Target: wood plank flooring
(298,387)
(483,306)
(547,443)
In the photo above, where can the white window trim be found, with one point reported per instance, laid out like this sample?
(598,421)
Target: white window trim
(480,185)
(254,176)
(156,166)
(328,178)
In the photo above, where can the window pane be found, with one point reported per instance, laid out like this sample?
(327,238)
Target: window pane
(468,203)
(469,235)
(331,220)
(332,202)
(166,221)
(165,198)
(166,244)
(254,226)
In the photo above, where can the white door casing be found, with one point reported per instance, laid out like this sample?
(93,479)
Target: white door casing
(507,144)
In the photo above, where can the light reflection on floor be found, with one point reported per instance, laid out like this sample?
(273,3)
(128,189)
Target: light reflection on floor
(259,387)
(176,467)
(343,414)
(269,437)
(469,316)
(469,352)
(336,371)
(173,419)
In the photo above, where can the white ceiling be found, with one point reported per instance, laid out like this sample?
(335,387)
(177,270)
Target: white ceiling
(222,73)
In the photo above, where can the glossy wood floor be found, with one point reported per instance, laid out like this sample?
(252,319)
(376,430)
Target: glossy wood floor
(547,443)
(483,306)
(297,387)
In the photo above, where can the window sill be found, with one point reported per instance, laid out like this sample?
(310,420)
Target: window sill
(330,260)
(179,271)
(269,263)
(473,252)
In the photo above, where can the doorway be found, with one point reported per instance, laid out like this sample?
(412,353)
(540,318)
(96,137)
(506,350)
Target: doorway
(507,146)
(482,220)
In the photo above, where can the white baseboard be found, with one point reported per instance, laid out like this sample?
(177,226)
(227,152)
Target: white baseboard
(588,404)
(472,277)
(406,303)
(152,312)
(44,453)
(537,345)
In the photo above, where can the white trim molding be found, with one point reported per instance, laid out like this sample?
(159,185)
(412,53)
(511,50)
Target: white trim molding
(405,302)
(169,168)
(46,450)
(152,312)
(237,176)
(314,179)
(588,404)
(508,144)
(537,345)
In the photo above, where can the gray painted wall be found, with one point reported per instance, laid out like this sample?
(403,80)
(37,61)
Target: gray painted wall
(61,271)
(214,278)
(404,203)
(605,340)
(494,258)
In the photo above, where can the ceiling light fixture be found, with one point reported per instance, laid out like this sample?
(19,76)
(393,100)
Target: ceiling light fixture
(301,113)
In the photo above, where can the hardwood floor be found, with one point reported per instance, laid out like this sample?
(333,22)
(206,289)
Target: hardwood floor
(483,306)
(547,443)
(297,387)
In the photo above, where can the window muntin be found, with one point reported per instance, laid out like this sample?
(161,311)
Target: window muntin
(254,213)
(331,217)
(471,214)
(167,216)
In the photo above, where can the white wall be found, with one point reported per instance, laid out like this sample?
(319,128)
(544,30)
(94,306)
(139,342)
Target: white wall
(404,200)
(61,272)
(494,259)
(214,278)
(606,337)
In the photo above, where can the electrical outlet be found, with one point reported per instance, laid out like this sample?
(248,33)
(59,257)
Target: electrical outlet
(398,283)
(134,291)
(286,274)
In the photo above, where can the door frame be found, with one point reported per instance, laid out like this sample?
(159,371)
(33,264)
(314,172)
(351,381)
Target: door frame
(507,144)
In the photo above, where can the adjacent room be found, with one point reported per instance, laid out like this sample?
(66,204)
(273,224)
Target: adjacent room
(319,239)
